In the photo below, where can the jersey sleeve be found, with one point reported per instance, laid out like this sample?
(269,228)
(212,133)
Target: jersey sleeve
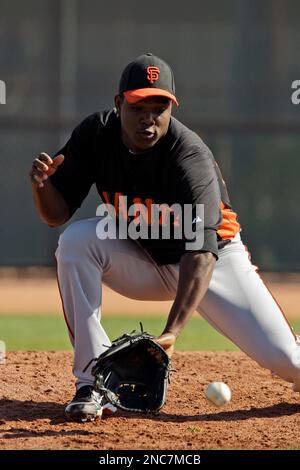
(198,185)
(74,177)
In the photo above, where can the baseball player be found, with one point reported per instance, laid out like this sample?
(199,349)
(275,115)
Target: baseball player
(141,157)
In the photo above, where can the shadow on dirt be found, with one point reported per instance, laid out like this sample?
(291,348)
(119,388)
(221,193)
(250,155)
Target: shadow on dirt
(25,413)
(21,433)
(30,411)
(277,410)
(17,410)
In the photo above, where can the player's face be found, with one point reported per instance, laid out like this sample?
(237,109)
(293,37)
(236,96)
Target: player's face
(144,123)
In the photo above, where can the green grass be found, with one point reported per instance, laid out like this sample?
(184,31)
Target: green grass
(48,332)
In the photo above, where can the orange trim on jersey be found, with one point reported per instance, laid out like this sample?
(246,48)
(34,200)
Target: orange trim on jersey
(229,226)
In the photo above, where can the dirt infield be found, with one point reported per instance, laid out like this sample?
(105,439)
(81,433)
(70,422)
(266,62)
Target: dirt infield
(264,412)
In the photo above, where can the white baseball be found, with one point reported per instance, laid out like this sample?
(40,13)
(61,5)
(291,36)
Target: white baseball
(218,393)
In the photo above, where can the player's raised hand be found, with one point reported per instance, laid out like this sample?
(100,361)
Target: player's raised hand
(43,167)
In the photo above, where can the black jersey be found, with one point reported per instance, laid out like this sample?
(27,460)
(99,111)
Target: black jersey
(180,169)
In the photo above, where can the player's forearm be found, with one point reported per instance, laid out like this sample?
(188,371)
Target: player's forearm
(194,277)
(50,204)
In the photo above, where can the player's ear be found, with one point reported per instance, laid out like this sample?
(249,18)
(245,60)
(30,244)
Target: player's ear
(118,102)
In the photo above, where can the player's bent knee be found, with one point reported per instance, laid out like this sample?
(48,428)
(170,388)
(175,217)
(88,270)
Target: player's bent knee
(75,240)
(79,242)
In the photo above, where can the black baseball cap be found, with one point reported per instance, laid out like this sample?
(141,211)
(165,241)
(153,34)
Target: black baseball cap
(146,76)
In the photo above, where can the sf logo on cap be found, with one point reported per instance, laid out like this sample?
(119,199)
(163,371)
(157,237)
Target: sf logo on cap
(152,74)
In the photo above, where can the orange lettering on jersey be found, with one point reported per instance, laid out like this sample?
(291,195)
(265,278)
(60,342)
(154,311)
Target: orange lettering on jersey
(176,220)
(165,212)
(152,74)
(106,197)
(149,203)
(107,203)
(141,211)
(120,206)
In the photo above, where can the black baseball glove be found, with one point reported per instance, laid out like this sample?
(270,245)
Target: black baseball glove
(133,373)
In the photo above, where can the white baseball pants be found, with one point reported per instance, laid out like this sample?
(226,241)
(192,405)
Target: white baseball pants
(237,303)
